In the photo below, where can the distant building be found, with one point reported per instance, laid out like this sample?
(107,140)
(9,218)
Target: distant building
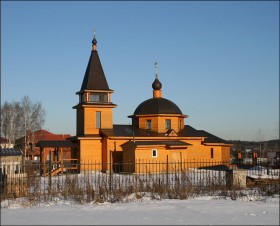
(11,161)
(31,151)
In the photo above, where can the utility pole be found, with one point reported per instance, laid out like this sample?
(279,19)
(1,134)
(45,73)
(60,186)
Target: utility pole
(260,143)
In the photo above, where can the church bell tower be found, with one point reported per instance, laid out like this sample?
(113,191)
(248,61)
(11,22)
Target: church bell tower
(95,109)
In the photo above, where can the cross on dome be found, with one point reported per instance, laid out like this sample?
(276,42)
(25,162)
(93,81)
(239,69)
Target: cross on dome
(156,65)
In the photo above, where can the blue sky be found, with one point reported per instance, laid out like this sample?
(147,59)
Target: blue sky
(218,61)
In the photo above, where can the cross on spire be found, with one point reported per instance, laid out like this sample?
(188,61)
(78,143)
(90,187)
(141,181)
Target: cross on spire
(94,42)
(94,30)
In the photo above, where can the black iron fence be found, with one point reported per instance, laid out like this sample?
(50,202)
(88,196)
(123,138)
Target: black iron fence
(87,182)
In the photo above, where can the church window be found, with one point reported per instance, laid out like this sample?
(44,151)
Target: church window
(149,124)
(212,153)
(154,153)
(167,123)
(98,97)
(82,98)
(98,119)
(94,97)
(105,98)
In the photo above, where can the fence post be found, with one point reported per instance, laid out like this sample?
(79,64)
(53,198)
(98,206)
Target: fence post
(236,179)
(110,179)
(40,169)
(181,164)
(167,165)
(50,173)
(267,168)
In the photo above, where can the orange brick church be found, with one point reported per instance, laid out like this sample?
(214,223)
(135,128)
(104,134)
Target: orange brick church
(157,131)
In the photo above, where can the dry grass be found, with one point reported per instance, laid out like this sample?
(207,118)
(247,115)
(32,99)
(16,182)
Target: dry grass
(109,187)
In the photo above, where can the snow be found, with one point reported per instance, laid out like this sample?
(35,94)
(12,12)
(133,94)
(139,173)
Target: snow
(248,208)
(147,210)
(260,172)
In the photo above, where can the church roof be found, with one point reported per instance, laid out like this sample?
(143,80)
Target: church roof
(189,131)
(133,131)
(94,78)
(129,131)
(175,144)
(157,106)
(212,138)
(168,143)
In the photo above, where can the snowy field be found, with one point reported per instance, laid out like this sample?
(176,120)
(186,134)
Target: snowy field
(205,210)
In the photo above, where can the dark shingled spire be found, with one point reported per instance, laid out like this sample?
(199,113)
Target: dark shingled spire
(94,78)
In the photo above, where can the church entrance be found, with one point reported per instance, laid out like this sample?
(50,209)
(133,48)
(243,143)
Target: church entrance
(117,158)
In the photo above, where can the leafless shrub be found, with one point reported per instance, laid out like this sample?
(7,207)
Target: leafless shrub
(72,188)
(116,187)
(267,190)
(90,192)
(118,195)
(33,184)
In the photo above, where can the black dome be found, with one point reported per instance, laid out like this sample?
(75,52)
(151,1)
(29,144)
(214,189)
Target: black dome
(157,106)
(156,84)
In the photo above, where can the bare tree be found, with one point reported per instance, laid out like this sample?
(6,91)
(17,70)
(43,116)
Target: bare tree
(10,121)
(26,116)
(5,111)
(37,116)
(22,119)
(33,118)
(37,121)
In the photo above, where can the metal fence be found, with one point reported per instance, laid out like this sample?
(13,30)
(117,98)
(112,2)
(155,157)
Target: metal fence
(87,182)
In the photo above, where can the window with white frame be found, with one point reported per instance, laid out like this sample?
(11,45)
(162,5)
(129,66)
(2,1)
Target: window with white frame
(154,153)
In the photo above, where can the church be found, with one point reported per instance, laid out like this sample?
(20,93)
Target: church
(157,132)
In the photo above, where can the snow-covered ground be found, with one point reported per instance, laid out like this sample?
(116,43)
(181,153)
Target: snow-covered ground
(248,209)
(207,210)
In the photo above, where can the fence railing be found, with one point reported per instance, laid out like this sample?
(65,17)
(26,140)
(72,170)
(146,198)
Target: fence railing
(92,181)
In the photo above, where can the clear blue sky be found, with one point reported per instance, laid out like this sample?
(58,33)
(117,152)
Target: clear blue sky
(218,61)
